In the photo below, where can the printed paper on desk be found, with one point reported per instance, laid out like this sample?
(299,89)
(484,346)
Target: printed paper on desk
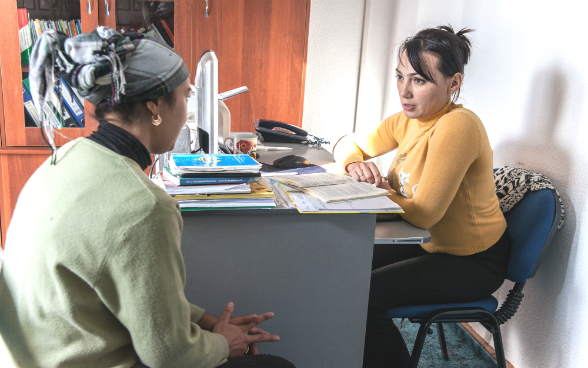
(306,203)
(345,192)
(280,196)
(313,180)
(302,202)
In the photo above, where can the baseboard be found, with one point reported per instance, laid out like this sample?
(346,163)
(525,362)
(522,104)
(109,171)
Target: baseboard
(483,342)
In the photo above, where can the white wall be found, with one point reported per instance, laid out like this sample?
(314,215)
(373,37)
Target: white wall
(528,82)
(332,72)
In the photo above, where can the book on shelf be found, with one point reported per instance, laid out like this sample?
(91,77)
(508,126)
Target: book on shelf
(29,106)
(309,204)
(167,31)
(50,114)
(157,31)
(185,163)
(71,27)
(331,187)
(25,37)
(258,190)
(61,112)
(177,179)
(71,101)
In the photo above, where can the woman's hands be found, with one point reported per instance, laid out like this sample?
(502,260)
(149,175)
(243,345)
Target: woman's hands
(243,335)
(368,172)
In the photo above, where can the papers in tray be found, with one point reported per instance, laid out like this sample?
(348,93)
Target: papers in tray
(331,187)
(316,179)
(309,204)
(186,163)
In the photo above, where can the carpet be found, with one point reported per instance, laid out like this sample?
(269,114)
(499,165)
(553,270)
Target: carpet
(463,350)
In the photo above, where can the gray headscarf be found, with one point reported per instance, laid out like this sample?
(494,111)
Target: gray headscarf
(103,66)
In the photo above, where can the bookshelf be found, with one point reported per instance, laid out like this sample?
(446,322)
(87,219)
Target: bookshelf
(22,149)
(272,66)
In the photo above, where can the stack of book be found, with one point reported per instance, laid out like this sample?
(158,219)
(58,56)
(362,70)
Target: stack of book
(215,181)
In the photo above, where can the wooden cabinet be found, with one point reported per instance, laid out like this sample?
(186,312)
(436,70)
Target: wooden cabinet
(13,73)
(259,43)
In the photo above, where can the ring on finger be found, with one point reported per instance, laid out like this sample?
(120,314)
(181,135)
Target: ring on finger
(360,175)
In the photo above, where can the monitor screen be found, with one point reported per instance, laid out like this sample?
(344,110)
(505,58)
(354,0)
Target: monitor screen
(206,82)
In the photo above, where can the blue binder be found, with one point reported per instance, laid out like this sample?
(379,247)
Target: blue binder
(71,101)
(29,106)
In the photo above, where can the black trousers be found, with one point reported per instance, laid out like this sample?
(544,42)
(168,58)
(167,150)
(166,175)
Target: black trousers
(257,361)
(408,275)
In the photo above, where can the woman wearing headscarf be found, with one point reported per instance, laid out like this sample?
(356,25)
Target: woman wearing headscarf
(93,275)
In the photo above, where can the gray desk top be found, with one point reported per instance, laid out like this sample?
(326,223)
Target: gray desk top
(314,155)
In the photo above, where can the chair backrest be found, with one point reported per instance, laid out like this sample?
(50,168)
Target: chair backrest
(532,223)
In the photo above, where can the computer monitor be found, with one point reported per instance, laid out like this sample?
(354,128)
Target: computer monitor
(206,83)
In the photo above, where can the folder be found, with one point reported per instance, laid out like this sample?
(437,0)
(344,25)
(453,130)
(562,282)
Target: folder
(29,106)
(72,103)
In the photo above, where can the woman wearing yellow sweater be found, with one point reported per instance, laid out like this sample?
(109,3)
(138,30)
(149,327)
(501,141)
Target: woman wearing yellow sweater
(442,178)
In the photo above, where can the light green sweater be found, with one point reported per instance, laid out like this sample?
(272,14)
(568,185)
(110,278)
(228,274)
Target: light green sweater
(93,275)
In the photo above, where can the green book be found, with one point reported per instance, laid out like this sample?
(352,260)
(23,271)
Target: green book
(25,82)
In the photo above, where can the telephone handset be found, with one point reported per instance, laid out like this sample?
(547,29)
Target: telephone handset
(275,131)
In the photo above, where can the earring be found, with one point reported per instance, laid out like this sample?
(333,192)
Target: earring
(156,121)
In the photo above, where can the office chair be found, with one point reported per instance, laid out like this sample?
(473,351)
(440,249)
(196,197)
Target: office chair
(532,223)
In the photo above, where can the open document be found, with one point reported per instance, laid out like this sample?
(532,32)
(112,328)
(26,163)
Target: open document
(309,204)
(331,187)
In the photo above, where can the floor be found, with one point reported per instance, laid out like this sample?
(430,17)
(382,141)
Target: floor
(464,351)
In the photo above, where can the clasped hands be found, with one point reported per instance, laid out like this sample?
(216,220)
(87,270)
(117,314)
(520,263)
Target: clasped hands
(368,172)
(241,332)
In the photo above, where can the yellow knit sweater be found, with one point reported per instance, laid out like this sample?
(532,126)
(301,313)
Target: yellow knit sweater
(442,175)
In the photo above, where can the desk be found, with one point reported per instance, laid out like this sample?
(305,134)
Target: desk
(311,270)
(314,155)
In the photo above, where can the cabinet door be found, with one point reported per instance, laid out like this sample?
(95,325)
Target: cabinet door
(18,128)
(16,167)
(171,16)
(260,44)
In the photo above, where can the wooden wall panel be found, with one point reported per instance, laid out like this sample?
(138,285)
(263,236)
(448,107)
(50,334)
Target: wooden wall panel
(11,70)
(2,138)
(260,44)
(183,32)
(16,169)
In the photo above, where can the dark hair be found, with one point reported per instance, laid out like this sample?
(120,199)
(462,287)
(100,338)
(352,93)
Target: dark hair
(126,111)
(452,48)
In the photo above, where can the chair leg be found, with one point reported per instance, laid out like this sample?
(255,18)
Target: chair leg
(499,348)
(442,342)
(418,345)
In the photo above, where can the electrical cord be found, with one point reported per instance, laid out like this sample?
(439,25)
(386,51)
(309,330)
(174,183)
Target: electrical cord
(152,166)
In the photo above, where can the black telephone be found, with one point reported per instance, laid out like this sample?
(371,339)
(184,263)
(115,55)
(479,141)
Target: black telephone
(275,131)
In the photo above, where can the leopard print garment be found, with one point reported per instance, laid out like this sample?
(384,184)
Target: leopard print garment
(512,183)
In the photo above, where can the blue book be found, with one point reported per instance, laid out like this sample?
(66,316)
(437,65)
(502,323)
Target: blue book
(29,106)
(71,102)
(206,162)
(178,180)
